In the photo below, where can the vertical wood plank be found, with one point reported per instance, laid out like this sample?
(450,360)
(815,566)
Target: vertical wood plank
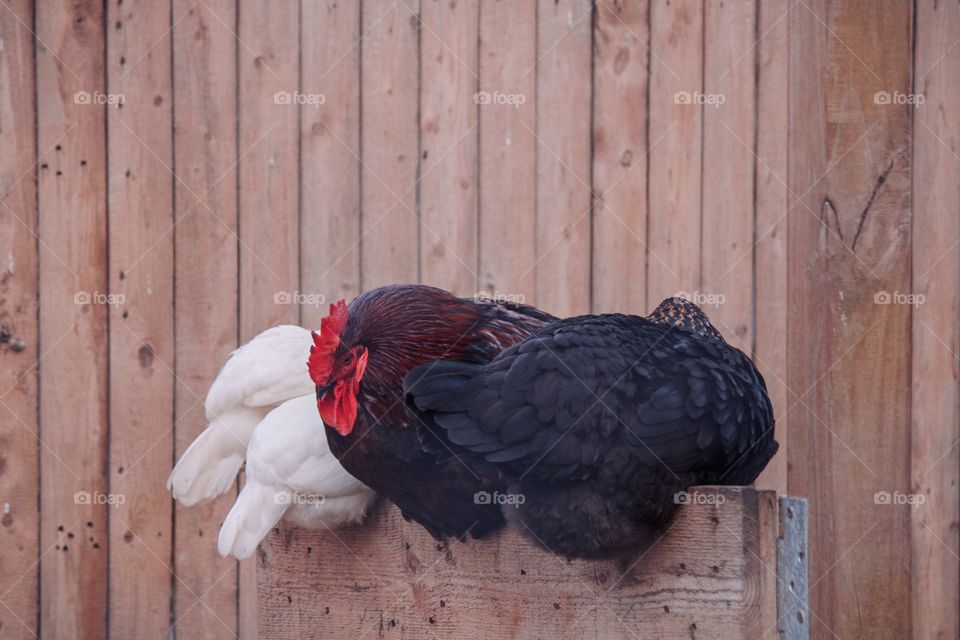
(729,120)
(770,253)
(19,479)
(935,462)
(330,156)
(269,162)
(73,319)
(389,141)
(564,67)
(848,334)
(621,63)
(448,144)
(676,121)
(205,149)
(269,109)
(508,53)
(140,160)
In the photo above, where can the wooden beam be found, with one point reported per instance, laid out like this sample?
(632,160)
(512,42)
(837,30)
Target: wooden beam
(714,573)
(848,329)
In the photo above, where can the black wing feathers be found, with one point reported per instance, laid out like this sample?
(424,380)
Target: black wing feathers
(556,405)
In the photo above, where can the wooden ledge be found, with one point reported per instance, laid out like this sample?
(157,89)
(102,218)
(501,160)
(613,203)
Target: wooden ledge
(714,575)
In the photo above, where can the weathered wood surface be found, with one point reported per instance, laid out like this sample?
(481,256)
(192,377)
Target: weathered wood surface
(729,131)
(849,331)
(935,395)
(621,61)
(770,233)
(329,156)
(507,150)
(448,144)
(19,350)
(269,194)
(675,148)
(389,142)
(140,181)
(74,306)
(713,575)
(563,68)
(206,291)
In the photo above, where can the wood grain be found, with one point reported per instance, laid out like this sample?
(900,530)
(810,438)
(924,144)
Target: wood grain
(676,76)
(269,164)
(73,319)
(935,397)
(849,352)
(389,141)
(448,144)
(508,150)
(20,475)
(207,308)
(391,578)
(140,183)
(564,50)
(729,122)
(330,156)
(770,253)
(620,86)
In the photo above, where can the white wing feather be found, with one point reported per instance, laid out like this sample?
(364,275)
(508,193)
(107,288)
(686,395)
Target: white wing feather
(268,370)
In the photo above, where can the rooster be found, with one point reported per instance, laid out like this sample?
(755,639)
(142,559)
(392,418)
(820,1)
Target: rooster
(358,362)
(261,411)
(599,422)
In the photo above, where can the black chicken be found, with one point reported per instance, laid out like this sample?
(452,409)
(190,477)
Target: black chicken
(599,421)
(358,362)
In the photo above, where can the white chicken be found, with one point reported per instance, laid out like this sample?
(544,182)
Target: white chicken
(264,387)
(258,377)
(291,474)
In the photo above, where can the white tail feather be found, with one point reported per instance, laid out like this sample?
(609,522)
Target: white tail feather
(257,509)
(210,464)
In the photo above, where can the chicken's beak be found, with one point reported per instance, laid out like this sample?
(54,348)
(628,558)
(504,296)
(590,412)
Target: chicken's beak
(322,391)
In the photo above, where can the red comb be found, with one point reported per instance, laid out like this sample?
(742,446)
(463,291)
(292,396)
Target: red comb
(325,343)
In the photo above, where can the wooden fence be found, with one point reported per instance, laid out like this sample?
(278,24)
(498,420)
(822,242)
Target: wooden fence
(177,176)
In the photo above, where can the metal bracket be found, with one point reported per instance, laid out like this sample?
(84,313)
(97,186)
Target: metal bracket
(793,608)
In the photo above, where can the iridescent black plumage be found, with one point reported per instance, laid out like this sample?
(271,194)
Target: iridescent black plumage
(598,421)
(401,327)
